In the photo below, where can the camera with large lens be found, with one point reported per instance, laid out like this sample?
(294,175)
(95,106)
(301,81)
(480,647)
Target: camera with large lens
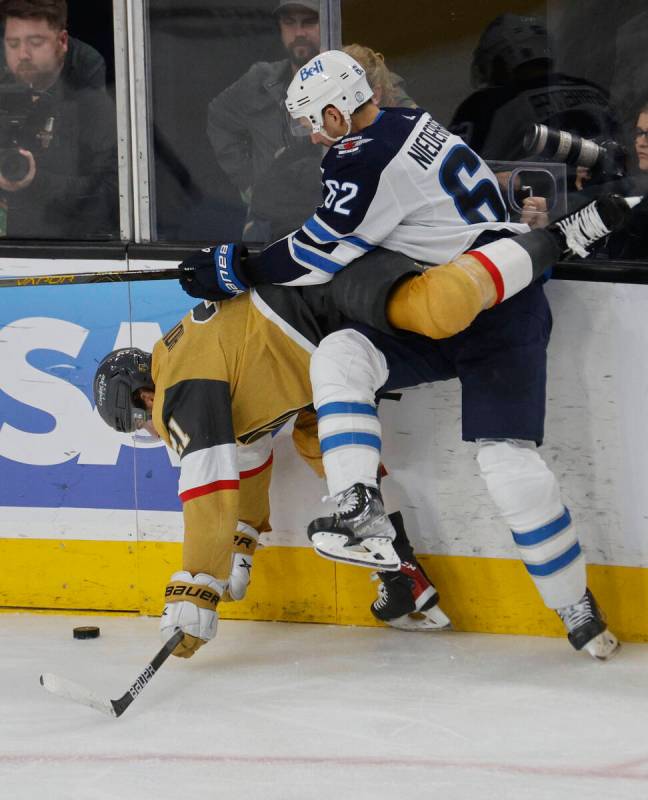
(605,158)
(24,124)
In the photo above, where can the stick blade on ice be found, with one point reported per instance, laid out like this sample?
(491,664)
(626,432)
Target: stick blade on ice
(112,708)
(62,687)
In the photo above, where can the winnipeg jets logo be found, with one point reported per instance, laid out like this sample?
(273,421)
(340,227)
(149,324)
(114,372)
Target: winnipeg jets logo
(351,145)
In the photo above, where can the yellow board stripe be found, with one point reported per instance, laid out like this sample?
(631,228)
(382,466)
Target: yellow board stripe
(493,595)
(45,573)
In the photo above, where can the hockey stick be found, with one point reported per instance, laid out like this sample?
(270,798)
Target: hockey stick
(173,253)
(113,708)
(123,276)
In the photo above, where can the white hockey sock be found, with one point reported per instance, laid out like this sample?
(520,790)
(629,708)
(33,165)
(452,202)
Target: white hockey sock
(527,495)
(346,372)
(350,442)
(553,558)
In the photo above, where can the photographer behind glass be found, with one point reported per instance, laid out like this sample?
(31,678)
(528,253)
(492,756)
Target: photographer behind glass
(58,167)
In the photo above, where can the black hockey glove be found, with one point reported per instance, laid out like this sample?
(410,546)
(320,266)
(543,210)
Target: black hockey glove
(215,273)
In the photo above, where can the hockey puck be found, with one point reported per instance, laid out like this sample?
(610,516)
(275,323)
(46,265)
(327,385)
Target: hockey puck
(86,632)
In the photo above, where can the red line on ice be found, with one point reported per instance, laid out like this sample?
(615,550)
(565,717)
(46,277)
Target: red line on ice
(610,772)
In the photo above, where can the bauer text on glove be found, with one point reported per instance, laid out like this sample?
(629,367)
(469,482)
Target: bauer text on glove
(215,273)
(190,603)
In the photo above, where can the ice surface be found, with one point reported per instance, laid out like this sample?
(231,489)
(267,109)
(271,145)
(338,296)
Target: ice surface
(298,712)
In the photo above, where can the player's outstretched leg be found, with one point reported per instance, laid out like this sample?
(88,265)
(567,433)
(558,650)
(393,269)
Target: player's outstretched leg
(445,300)
(587,629)
(360,532)
(407,599)
(527,495)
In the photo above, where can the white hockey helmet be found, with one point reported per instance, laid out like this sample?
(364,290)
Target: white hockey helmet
(332,78)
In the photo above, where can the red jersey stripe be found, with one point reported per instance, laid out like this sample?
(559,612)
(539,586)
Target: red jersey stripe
(493,271)
(208,488)
(248,473)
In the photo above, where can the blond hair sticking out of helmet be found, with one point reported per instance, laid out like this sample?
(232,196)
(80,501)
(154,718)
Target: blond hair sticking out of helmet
(379,77)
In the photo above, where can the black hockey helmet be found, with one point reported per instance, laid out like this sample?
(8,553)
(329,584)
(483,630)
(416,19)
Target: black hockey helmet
(509,41)
(119,375)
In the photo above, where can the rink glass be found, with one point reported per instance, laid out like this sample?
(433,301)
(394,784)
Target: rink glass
(198,51)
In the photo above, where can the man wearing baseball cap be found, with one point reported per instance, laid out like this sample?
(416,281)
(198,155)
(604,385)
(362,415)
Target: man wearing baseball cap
(299,27)
(254,139)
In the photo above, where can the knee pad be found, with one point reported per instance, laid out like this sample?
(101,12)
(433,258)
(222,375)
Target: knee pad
(521,485)
(347,367)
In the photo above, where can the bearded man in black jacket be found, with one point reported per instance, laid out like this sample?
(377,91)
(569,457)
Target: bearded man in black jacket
(58,152)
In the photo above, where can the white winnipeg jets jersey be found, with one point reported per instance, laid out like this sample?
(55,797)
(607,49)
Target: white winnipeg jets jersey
(405,184)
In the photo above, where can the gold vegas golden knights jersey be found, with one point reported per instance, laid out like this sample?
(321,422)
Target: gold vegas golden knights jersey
(225,377)
(231,373)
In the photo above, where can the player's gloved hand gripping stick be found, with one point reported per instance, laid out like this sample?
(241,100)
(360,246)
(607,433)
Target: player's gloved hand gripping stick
(197,273)
(189,620)
(190,604)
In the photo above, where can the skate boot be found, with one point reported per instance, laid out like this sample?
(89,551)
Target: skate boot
(407,600)
(359,533)
(586,628)
(584,227)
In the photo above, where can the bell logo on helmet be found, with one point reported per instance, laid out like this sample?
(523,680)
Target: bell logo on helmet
(307,72)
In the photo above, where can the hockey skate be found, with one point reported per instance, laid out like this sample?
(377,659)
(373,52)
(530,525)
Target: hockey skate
(407,600)
(593,222)
(359,533)
(586,628)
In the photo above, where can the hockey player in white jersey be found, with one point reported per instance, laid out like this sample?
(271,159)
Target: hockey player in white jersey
(398,179)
